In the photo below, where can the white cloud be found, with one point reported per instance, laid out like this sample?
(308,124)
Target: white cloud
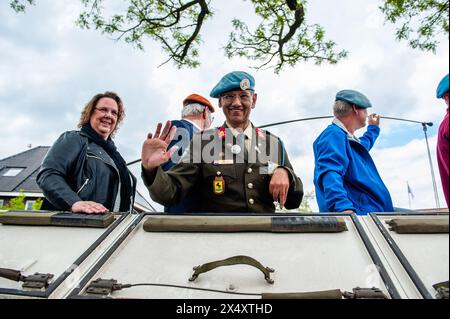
(409,163)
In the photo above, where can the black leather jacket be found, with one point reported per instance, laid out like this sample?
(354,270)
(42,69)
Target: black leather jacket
(77,169)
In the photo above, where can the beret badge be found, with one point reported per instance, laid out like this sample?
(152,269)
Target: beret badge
(245,84)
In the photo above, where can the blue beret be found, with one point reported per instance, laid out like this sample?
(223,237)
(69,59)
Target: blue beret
(353,97)
(237,80)
(442,87)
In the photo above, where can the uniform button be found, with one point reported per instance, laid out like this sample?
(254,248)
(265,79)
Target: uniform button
(249,170)
(251,201)
(250,185)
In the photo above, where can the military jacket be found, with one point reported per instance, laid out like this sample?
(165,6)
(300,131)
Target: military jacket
(228,176)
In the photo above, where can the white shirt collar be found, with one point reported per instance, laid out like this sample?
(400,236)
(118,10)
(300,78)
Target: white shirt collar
(248,131)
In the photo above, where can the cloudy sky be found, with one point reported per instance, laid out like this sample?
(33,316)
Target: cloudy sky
(49,69)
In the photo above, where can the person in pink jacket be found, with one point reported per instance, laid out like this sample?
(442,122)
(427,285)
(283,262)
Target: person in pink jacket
(443,141)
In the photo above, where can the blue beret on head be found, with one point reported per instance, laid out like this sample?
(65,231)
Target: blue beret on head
(442,87)
(353,97)
(237,80)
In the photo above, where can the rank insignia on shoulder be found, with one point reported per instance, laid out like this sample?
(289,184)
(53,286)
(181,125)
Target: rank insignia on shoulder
(260,134)
(219,185)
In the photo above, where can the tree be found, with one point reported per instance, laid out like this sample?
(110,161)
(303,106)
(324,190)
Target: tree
(421,21)
(16,203)
(37,204)
(283,37)
(305,207)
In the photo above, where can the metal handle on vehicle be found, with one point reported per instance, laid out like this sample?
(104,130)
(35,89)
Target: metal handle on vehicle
(11,274)
(236,260)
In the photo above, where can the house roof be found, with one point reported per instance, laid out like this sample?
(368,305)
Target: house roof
(30,161)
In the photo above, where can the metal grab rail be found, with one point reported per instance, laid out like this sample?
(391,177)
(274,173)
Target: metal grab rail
(424,127)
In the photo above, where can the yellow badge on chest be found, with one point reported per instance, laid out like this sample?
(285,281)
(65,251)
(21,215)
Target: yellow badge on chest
(219,185)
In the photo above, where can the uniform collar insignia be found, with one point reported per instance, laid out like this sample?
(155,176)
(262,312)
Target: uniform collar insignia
(260,133)
(222,132)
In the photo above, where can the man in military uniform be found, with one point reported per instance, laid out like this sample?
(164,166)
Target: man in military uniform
(236,167)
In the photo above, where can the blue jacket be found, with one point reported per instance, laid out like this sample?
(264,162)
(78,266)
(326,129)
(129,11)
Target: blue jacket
(190,204)
(345,175)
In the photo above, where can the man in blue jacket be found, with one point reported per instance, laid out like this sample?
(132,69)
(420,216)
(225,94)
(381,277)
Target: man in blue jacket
(196,117)
(345,176)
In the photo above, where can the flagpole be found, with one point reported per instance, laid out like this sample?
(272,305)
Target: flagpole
(436,196)
(409,194)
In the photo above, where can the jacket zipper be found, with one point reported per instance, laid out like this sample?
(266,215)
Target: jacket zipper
(117,171)
(83,186)
(115,168)
(118,174)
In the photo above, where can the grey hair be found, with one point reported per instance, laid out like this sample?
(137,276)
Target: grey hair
(193,109)
(341,108)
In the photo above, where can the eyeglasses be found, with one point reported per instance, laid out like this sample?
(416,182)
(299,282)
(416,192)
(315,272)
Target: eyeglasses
(105,110)
(243,97)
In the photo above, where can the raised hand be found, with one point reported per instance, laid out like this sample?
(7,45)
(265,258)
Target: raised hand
(154,150)
(374,119)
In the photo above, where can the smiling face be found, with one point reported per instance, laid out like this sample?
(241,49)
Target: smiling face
(104,117)
(237,106)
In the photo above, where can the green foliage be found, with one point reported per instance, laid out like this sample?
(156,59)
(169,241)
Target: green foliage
(19,5)
(173,24)
(282,38)
(420,21)
(305,206)
(16,203)
(37,204)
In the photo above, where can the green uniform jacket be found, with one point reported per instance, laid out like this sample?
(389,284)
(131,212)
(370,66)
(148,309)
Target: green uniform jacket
(246,178)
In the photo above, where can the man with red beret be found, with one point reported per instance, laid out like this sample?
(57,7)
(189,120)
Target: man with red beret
(195,117)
